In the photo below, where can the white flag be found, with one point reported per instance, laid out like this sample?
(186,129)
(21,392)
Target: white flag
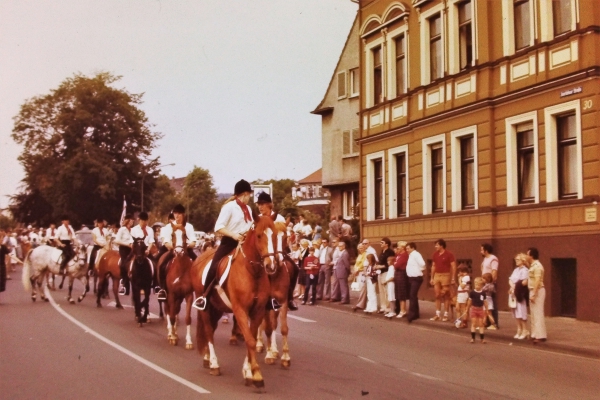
(124,211)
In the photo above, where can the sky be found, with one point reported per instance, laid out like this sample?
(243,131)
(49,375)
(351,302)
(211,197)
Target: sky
(229,83)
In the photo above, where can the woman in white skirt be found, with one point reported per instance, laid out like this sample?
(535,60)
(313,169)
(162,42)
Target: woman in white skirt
(371,281)
(519,292)
(391,287)
(537,296)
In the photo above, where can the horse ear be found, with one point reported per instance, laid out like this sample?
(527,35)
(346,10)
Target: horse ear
(255,216)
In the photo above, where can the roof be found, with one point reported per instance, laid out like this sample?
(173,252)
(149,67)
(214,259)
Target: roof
(315,177)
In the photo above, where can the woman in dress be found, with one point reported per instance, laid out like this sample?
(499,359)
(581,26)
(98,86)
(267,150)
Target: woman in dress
(537,296)
(520,292)
(401,285)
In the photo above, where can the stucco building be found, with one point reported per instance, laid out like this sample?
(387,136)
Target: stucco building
(479,123)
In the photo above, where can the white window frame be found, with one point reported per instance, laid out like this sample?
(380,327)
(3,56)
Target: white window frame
(345,80)
(345,211)
(547,19)
(455,137)
(354,91)
(369,65)
(392,193)
(371,184)
(391,66)
(354,147)
(424,39)
(454,36)
(550,114)
(508,26)
(512,169)
(427,181)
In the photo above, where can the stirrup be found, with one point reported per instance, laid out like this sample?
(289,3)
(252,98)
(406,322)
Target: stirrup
(162,295)
(275,304)
(200,303)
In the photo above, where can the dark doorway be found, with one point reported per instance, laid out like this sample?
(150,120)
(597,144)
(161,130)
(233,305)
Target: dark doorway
(564,287)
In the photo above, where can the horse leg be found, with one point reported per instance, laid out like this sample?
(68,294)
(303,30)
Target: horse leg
(40,284)
(69,298)
(235,331)
(260,346)
(115,286)
(62,282)
(189,299)
(209,333)
(272,351)
(172,312)
(85,290)
(285,356)
(250,333)
(101,285)
(136,297)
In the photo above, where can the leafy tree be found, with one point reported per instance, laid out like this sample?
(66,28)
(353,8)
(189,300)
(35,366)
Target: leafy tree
(200,199)
(85,146)
(164,199)
(282,195)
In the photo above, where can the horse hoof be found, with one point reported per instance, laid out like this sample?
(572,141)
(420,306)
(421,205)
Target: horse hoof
(173,342)
(206,364)
(72,301)
(275,355)
(248,382)
(119,306)
(46,299)
(259,349)
(286,363)
(33,299)
(215,371)
(258,384)
(79,299)
(189,346)
(140,325)
(98,305)
(232,341)
(269,361)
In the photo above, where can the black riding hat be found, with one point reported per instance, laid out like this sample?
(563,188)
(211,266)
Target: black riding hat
(242,187)
(65,217)
(98,220)
(143,216)
(263,198)
(178,209)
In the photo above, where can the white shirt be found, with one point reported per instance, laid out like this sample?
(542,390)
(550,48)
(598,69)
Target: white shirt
(371,250)
(137,232)
(415,265)
(323,254)
(307,230)
(123,237)
(34,237)
(278,218)
(231,218)
(63,234)
(50,235)
(166,234)
(99,237)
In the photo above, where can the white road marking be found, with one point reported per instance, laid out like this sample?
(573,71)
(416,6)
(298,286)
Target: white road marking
(300,318)
(124,350)
(150,315)
(433,378)
(367,360)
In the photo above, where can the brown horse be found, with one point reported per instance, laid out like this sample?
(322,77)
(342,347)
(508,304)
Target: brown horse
(179,287)
(108,266)
(247,290)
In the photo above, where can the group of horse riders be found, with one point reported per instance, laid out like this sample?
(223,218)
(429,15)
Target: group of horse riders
(234,221)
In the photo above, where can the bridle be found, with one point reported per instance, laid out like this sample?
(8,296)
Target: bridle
(179,250)
(260,256)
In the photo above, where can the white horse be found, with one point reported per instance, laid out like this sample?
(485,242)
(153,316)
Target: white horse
(43,259)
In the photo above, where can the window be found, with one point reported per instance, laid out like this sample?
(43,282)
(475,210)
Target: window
(562,16)
(522,21)
(341,82)
(435,48)
(467,173)
(437,178)
(401,185)
(354,82)
(378,179)
(434,174)
(400,47)
(350,207)
(349,145)
(564,175)
(526,154)
(465,34)
(398,178)
(377,75)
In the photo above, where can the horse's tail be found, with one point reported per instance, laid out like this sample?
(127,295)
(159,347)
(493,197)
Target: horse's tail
(26,277)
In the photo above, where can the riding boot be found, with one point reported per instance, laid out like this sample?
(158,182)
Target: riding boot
(293,278)
(124,278)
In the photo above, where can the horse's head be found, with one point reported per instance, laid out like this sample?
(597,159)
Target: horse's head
(139,249)
(179,230)
(81,255)
(264,240)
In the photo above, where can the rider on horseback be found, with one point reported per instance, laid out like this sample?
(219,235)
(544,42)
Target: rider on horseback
(99,237)
(125,242)
(265,206)
(64,237)
(142,230)
(235,219)
(167,237)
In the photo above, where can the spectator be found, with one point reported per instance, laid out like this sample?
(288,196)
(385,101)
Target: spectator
(478,309)
(414,270)
(360,266)
(346,233)
(401,284)
(462,295)
(311,267)
(3,256)
(324,283)
(341,272)
(443,271)
(489,265)
(389,286)
(488,289)
(302,254)
(537,296)
(318,231)
(335,256)
(370,305)
(382,267)
(520,292)
(334,229)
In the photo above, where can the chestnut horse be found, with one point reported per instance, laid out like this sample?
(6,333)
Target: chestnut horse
(179,287)
(107,266)
(247,290)
(141,272)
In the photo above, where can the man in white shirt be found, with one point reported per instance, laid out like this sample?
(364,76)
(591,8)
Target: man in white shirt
(99,234)
(414,269)
(64,237)
(324,284)
(51,234)
(125,242)
(142,230)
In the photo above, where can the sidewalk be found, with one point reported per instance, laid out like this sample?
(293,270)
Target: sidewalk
(565,335)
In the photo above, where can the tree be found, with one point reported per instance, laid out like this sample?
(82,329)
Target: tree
(200,199)
(282,195)
(85,146)
(164,198)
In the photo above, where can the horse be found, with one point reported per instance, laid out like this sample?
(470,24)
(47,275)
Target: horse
(108,266)
(247,290)
(141,273)
(46,259)
(178,287)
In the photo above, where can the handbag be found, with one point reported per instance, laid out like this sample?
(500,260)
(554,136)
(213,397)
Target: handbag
(512,301)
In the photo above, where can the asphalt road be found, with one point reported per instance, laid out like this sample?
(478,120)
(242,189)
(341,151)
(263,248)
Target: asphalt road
(64,351)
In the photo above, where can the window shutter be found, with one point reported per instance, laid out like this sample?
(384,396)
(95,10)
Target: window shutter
(354,139)
(346,145)
(342,84)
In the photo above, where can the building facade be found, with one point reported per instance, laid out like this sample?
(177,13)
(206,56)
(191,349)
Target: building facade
(340,130)
(479,123)
(311,194)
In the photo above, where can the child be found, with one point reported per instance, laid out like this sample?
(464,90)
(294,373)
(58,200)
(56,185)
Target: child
(462,295)
(371,282)
(390,287)
(488,289)
(311,266)
(478,309)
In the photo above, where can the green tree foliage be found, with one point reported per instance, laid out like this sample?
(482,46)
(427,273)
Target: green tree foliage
(282,195)
(85,146)
(200,199)
(163,199)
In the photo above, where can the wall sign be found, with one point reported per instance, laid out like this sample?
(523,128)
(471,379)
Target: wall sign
(590,214)
(571,92)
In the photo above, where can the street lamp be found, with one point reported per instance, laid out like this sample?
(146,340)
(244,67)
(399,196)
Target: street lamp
(144,177)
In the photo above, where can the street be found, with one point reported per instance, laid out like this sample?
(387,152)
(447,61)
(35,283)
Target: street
(60,351)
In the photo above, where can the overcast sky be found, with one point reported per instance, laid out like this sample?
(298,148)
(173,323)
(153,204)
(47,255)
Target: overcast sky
(230,83)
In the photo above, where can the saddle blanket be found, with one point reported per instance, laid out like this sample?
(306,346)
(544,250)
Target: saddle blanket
(219,287)
(56,255)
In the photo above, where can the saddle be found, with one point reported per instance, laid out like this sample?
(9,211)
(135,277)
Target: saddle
(56,255)
(222,275)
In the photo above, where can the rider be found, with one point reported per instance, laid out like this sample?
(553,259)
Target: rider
(51,234)
(99,238)
(235,219)
(63,239)
(125,242)
(167,236)
(142,230)
(265,206)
